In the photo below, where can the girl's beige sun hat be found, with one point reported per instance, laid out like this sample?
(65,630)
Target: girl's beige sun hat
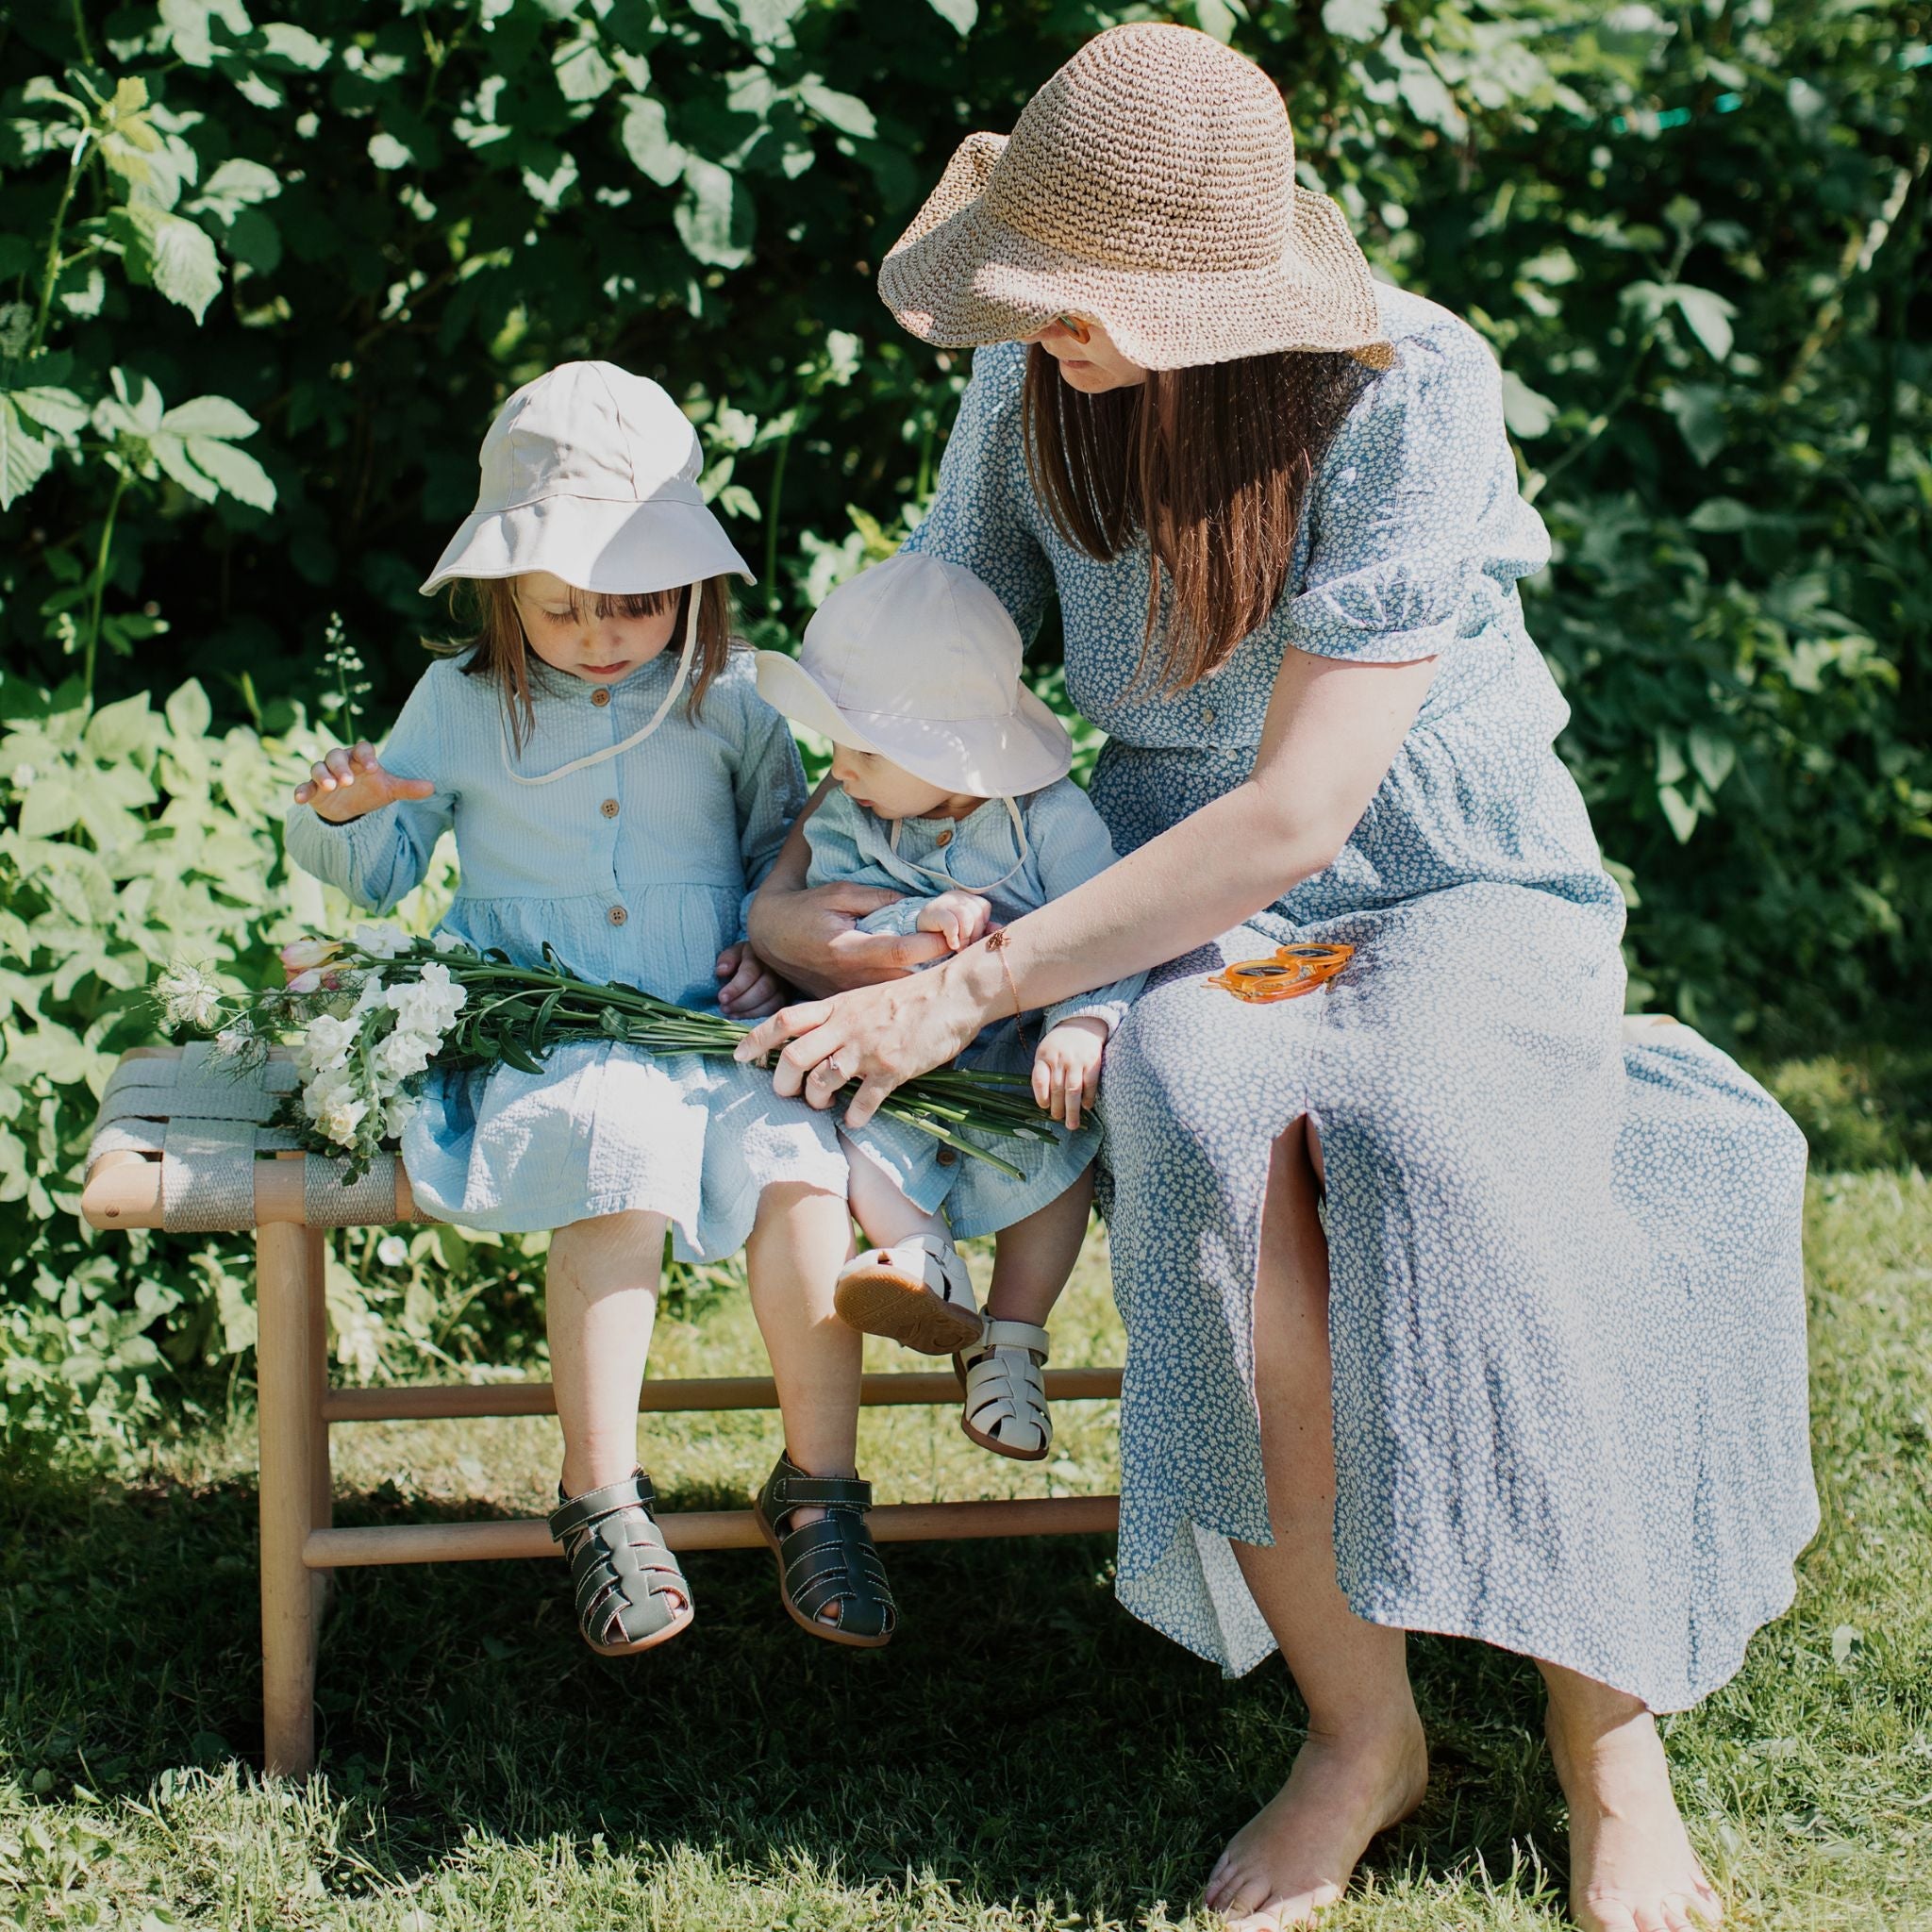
(591,472)
(1150,187)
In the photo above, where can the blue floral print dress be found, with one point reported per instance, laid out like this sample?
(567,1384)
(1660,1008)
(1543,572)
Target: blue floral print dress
(1016,858)
(1567,1314)
(633,869)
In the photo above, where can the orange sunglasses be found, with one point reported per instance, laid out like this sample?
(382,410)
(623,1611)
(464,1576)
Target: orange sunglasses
(1292,972)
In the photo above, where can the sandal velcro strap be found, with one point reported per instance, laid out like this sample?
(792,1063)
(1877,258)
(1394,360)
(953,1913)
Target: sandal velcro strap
(820,1492)
(629,1587)
(997,1334)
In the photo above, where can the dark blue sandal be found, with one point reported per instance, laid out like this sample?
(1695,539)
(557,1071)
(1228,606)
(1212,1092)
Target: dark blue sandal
(830,1562)
(630,1592)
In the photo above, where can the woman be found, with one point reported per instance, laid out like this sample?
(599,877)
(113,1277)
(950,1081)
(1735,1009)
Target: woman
(1447,1309)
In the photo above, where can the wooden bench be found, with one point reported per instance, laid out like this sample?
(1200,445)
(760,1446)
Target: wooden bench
(186,1146)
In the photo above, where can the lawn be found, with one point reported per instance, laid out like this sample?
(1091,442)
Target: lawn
(1024,1755)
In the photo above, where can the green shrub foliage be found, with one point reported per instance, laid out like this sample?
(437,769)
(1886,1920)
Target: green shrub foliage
(263,279)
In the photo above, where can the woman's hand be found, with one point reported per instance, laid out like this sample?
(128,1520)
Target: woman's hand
(349,782)
(1066,1069)
(811,934)
(880,1036)
(750,990)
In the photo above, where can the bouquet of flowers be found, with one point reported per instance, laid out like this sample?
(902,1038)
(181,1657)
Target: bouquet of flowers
(372,1014)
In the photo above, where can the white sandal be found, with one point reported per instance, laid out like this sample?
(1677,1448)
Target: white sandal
(1006,1390)
(917,1292)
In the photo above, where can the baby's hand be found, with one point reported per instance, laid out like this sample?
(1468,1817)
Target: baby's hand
(958,918)
(1066,1067)
(750,990)
(348,783)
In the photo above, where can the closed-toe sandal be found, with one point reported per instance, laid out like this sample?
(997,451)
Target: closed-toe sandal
(1005,1384)
(631,1594)
(917,1292)
(832,1560)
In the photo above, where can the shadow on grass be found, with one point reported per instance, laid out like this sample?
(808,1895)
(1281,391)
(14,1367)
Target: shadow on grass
(1023,1739)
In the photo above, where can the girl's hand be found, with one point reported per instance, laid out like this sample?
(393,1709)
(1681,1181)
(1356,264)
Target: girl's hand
(958,918)
(1066,1069)
(348,783)
(751,989)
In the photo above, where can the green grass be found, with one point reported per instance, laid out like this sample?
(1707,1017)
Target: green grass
(1024,1755)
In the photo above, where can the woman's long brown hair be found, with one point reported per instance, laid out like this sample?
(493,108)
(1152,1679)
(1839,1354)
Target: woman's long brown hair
(1213,464)
(488,607)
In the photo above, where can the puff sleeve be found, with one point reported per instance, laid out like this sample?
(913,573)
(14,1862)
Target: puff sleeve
(1418,533)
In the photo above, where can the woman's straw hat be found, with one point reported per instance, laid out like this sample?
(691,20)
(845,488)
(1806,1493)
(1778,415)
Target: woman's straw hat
(1150,187)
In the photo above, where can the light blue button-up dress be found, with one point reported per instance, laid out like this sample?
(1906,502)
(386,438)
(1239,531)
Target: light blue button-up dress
(635,869)
(1064,845)
(1566,1311)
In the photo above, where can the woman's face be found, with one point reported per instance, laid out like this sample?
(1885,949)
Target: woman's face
(1094,366)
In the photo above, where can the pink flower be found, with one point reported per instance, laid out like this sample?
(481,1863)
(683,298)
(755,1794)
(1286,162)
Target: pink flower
(305,958)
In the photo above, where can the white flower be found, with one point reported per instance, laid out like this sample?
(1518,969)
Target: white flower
(404,1051)
(449,943)
(428,1004)
(341,1119)
(392,1251)
(326,1044)
(395,1113)
(333,1103)
(385,942)
(370,993)
(189,997)
(231,1040)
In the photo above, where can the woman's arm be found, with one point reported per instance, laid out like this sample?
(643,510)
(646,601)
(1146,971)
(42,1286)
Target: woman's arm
(1332,731)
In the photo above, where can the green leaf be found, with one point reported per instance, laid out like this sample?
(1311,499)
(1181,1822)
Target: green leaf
(235,470)
(962,16)
(1355,19)
(189,712)
(1526,413)
(294,46)
(210,416)
(171,453)
(388,153)
(56,409)
(187,26)
(24,457)
(239,183)
(1722,515)
(647,141)
(1683,816)
(1714,757)
(172,252)
(582,72)
(1696,406)
(1710,317)
(50,808)
(713,218)
(846,112)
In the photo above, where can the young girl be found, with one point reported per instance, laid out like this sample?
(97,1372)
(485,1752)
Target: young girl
(949,783)
(619,799)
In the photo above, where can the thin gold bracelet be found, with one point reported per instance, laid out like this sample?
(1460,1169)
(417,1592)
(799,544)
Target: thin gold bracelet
(997,945)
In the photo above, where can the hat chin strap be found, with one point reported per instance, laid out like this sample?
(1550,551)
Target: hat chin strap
(933,871)
(637,738)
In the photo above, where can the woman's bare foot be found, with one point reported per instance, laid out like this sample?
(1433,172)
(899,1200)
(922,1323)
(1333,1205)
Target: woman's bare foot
(1296,1854)
(1631,1865)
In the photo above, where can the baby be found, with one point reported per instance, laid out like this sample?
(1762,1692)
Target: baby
(950,786)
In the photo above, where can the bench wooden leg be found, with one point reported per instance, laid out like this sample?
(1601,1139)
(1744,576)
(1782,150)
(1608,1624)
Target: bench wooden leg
(321,1501)
(287,1372)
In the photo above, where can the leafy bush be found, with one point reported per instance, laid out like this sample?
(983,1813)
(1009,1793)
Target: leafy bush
(264,280)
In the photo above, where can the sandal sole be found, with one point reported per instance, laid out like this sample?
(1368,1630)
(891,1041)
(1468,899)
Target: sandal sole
(676,1628)
(876,1302)
(826,1633)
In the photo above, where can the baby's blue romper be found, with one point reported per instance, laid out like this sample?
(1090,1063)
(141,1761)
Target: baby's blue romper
(1567,1309)
(635,870)
(1066,846)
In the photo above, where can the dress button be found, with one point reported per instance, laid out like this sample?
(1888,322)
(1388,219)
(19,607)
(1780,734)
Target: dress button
(608,807)
(618,915)
(601,695)
(943,838)
(1207,714)
(948,1156)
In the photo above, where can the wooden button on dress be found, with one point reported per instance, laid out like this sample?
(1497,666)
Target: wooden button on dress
(608,807)
(618,915)
(601,695)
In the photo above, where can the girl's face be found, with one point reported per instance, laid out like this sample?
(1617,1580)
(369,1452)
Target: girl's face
(890,791)
(1094,366)
(585,635)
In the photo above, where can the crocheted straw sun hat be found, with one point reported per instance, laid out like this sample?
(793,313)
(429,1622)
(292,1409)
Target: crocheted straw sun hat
(1149,186)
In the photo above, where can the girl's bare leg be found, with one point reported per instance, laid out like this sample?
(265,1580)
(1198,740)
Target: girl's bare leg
(600,1301)
(882,1212)
(1033,1258)
(1631,1865)
(802,1237)
(1364,1764)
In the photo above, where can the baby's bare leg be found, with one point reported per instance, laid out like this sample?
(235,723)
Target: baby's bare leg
(882,1212)
(1033,1258)
(600,1303)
